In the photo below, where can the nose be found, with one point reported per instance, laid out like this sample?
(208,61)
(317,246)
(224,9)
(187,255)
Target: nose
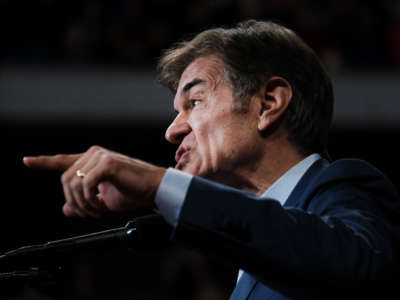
(178,129)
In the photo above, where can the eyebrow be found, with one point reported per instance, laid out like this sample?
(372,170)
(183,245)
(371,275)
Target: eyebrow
(191,84)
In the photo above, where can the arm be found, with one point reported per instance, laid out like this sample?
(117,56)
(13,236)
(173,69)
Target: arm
(341,222)
(341,235)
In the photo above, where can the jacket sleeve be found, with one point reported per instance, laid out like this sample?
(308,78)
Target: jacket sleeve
(341,234)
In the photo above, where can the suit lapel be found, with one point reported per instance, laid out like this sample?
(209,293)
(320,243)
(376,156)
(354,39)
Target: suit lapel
(301,191)
(244,287)
(307,183)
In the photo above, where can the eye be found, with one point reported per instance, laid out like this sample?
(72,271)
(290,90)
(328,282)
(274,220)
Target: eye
(194,102)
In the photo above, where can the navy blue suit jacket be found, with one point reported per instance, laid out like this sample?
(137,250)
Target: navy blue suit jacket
(338,230)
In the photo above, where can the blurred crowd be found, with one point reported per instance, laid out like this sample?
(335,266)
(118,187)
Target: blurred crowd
(347,34)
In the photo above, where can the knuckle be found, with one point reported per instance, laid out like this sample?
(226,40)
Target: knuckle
(64,179)
(71,209)
(94,149)
(107,161)
(68,210)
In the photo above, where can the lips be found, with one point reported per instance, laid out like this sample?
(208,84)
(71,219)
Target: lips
(182,152)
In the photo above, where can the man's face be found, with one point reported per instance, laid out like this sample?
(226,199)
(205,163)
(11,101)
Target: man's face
(214,139)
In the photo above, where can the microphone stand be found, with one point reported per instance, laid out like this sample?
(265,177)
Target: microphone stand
(45,261)
(116,235)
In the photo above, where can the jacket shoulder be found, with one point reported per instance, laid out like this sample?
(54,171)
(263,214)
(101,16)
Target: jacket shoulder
(350,170)
(343,174)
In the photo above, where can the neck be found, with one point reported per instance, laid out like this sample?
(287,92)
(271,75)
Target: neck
(272,168)
(260,175)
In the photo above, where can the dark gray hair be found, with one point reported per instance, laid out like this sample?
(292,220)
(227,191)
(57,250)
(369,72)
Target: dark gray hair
(252,52)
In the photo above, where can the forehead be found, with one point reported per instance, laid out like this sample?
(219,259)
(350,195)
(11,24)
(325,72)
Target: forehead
(207,69)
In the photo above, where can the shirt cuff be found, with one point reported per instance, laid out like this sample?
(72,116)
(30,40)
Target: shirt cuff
(171,194)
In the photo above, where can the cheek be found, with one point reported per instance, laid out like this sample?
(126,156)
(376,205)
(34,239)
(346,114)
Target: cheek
(215,138)
(205,144)
(218,146)
(232,141)
(201,133)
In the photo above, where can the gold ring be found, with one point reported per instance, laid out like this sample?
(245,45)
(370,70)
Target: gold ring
(80,174)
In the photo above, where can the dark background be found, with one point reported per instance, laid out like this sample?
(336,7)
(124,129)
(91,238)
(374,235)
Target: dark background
(349,36)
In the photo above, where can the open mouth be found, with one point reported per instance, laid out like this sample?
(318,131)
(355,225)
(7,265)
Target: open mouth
(181,156)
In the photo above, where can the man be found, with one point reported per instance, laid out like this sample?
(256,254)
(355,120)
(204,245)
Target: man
(254,107)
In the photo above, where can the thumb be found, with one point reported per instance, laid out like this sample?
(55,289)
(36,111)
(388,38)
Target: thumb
(58,162)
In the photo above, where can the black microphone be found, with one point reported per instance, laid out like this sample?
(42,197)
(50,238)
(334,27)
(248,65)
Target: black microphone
(142,233)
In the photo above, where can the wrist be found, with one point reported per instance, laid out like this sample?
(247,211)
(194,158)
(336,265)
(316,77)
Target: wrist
(156,177)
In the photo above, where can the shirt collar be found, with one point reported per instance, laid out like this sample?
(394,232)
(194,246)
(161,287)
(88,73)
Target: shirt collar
(281,189)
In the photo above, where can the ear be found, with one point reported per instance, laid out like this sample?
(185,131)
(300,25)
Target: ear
(274,96)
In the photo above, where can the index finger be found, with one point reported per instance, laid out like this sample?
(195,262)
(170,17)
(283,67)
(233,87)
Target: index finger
(59,162)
